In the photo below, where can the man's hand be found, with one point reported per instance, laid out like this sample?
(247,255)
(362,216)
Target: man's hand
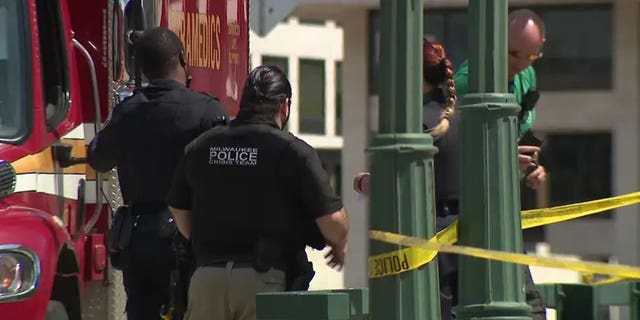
(336,257)
(335,229)
(536,178)
(527,156)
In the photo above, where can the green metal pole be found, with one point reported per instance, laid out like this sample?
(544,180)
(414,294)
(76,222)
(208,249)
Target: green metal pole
(402,199)
(490,192)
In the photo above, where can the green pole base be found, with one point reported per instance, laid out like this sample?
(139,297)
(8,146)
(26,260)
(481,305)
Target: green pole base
(494,311)
(402,202)
(489,206)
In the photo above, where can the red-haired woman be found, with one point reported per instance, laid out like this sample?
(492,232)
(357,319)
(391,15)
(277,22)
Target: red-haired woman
(439,120)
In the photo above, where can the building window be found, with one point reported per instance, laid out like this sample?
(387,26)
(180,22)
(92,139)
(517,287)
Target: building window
(281,62)
(577,53)
(312,96)
(374,50)
(331,162)
(449,27)
(579,166)
(339,98)
(578,50)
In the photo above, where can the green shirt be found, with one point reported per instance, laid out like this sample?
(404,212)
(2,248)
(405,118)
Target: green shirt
(522,83)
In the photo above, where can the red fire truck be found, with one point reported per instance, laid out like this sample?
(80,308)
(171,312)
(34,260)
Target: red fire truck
(63,65)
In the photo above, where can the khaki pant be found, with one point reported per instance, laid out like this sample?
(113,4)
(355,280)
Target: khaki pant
(217,293)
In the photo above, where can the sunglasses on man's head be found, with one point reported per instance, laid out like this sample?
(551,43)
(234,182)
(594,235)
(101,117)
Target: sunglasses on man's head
(531,57)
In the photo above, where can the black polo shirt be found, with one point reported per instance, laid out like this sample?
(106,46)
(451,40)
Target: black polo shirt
(246,181)
(146,136)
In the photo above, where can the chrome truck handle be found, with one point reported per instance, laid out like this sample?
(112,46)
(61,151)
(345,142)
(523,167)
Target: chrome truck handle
(97,125)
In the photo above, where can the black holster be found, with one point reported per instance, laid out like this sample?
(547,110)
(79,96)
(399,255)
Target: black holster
(181,276)
(299,272)
(119,236)
(267,254)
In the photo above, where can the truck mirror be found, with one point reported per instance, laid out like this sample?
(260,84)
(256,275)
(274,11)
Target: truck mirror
(132,36)
(62,154)
(134,19)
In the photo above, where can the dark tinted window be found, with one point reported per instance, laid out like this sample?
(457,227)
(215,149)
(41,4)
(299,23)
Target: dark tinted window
(579,166)
(280,62)
(312,96)
(578,51)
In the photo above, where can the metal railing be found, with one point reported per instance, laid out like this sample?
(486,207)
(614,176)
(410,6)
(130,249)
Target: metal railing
(590,302)
(343,304)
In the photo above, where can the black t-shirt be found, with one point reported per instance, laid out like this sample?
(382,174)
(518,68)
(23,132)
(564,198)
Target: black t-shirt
(446,162)
(146,136)
(246,181)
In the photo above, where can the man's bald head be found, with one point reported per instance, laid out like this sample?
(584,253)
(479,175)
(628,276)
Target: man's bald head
(526,37)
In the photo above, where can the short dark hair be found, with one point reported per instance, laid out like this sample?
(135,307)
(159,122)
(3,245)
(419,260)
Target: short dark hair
(264,90)
(157,51)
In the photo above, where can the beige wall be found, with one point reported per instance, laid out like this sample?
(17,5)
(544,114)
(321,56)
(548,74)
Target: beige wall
(354,116)
(626,150)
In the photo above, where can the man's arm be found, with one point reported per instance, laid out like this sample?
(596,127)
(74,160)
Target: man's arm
(179,199)
(539,175)
(335,229)
(321,202)
(461,80)
(528,96)
(105,149)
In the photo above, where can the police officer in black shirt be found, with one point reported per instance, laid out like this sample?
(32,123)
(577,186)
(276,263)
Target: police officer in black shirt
(250,197)
(144,139)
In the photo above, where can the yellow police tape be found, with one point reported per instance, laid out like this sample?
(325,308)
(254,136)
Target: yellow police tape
(519,258)
(415,257)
